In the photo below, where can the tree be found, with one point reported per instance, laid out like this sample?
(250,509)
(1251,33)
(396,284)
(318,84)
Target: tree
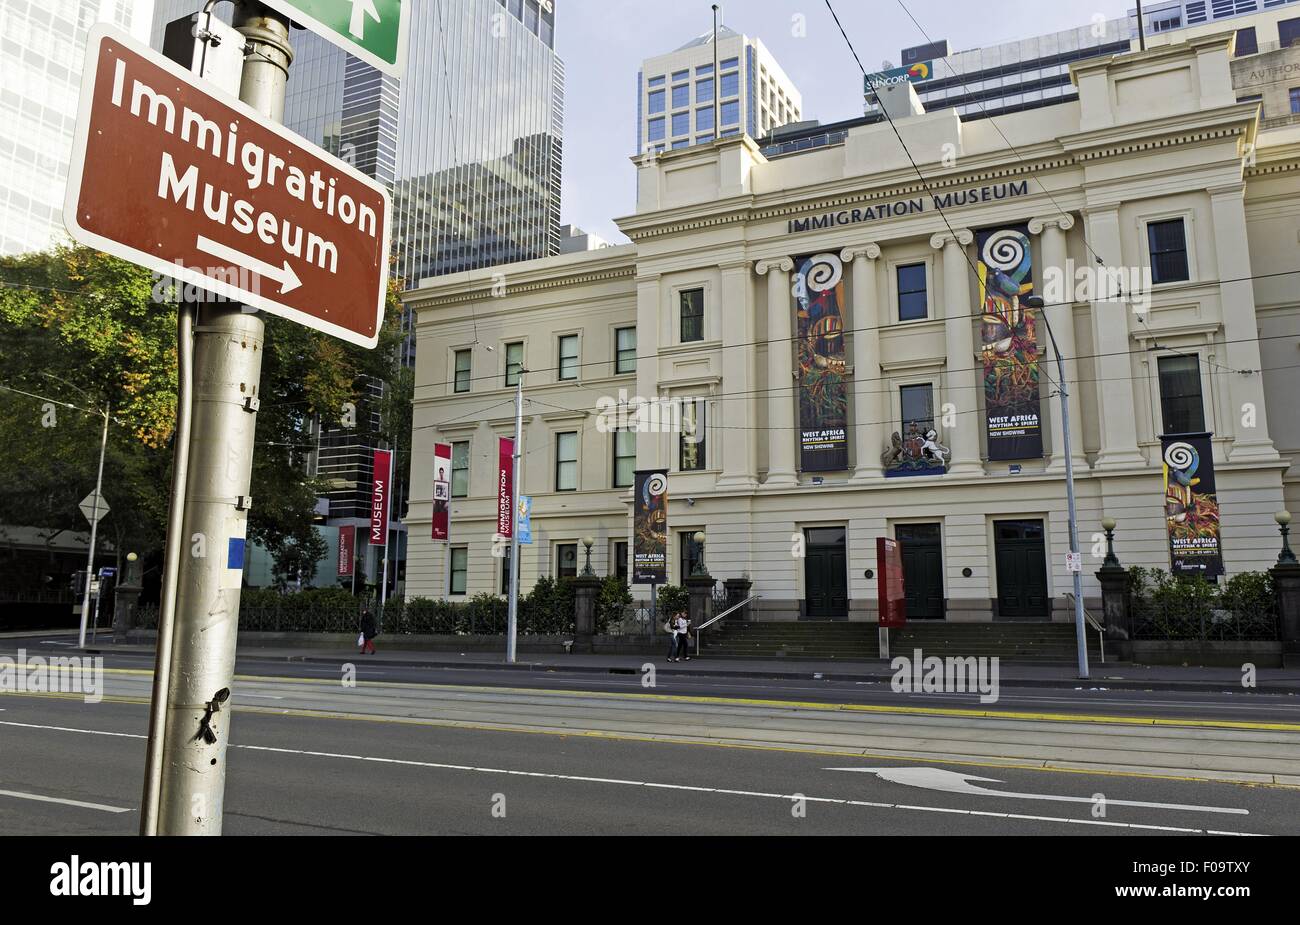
(93,331)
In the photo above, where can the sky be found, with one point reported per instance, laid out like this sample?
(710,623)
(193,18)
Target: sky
(603,43)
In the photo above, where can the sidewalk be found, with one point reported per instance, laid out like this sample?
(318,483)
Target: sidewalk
(1110,676)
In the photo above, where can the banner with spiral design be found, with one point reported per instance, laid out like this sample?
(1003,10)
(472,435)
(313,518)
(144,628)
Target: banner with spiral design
(1191,505)
(823,396)
(650,527)
(1010,344)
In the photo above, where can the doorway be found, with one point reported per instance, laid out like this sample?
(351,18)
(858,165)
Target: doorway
(922,554)
(1021,555)
(826,574)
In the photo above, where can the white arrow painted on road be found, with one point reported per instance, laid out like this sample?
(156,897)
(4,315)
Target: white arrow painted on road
(955,782)
(285,275)
(360,10)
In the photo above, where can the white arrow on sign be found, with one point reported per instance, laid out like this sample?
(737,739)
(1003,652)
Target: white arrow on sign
(285,275)
(95,512)
(955,782)
(360,10)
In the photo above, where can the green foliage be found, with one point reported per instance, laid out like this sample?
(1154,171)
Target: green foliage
(1189,607)
(611,602)
(673,598)
(548,608)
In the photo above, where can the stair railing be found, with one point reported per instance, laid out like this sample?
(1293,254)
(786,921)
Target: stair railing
(699,631)
(1092,621)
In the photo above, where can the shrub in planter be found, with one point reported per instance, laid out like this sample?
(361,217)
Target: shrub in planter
(673,598)
(612,601)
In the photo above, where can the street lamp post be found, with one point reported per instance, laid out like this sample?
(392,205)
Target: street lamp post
(1080,628)
(1286,556)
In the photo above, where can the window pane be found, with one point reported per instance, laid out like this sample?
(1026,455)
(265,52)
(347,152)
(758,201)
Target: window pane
(681,123)
(704,91)
(704,118)
(624,457)
(569,357)
(620,560)
(626,361)
(460,469)
(514,360)
(918,407)
(656,102)
(1168,243)
(566,462)
(911,292)
(692,304)
(691,443)
(690,552)
(1181,407)
(459,569)
(462,370)
(656,129)
(566,560)
(681,96)
(731,112)
(731,84)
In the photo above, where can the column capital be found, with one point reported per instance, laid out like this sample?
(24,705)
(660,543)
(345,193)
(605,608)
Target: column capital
(1064,221)
(962,236)
(784,264)
(1237,189)
(869,251)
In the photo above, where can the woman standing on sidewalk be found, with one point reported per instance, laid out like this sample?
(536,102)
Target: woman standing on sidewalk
(368,632)
(681,627)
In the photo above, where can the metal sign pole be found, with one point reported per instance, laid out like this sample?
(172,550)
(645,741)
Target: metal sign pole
(228,364)
(94,530)
(512,621)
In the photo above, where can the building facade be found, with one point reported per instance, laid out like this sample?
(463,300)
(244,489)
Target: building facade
(676,96)
(1157,171)
(42,48)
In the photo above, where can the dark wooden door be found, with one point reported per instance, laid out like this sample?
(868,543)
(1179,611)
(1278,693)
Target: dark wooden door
(1021,556)
(826,575)
(922,555)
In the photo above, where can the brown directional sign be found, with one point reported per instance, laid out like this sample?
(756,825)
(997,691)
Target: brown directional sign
(204,190)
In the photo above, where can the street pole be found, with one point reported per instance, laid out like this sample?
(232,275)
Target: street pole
(388,536)
(512,614)
(228,346)
(1142,31)
(94,530)
(1080,627)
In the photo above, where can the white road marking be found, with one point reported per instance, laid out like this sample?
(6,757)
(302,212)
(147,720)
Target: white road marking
(680,787)
(44,799)
(947,781)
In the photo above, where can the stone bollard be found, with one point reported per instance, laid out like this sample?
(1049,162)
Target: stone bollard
(738,589)
(1286,583)
(584,612)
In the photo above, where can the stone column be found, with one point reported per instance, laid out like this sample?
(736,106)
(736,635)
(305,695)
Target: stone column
(1240,326)
(584,612)
(1059,310)
(700,589)
(1286,583)
(959,307)
(781,383)
(868,390)
(737,403)
(649,304)
(1112,344)
(738,589)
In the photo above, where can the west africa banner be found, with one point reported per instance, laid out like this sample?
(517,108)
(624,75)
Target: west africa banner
(650,527)
(1191,505)
(1010,344)
(823,418)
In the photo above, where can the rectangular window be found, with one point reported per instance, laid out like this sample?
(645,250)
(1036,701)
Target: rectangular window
(1295,101)
(912,301)
(514,361)
(681,124)
(656,127)
(729,63)
(1246,42)
(459,569)
(681,143)
(463,360)
(460,469)
(691,553)
(1168,242)
(681,96)
(704,91)
(566,560)
(566,461)
(731,113)
(568,366)
(704,119)
(1288,32)
(731,84)
(692,303)
(704,70)
(918,408)
(656,103)
(1181,407)
(679,76)
(656,81)
(690,454)
(625,361)
(620,560)
(505,570)
(624,457)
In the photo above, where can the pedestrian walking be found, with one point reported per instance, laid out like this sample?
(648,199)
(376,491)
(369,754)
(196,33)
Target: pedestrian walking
(369,631)
(679,626)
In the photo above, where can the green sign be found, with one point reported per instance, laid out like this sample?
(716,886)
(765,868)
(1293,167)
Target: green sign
(372,30)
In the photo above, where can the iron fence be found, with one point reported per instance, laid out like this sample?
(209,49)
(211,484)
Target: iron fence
(1196,620)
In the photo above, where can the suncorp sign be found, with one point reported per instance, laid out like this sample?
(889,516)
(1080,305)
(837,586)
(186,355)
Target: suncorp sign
(921,70)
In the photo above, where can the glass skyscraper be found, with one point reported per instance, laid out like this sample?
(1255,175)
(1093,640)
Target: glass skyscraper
(469,142)
(42,47)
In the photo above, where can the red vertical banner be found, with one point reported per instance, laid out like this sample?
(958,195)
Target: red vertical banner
(347,550)
(889,583)
(505,486)
(441,491)
(379,498)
